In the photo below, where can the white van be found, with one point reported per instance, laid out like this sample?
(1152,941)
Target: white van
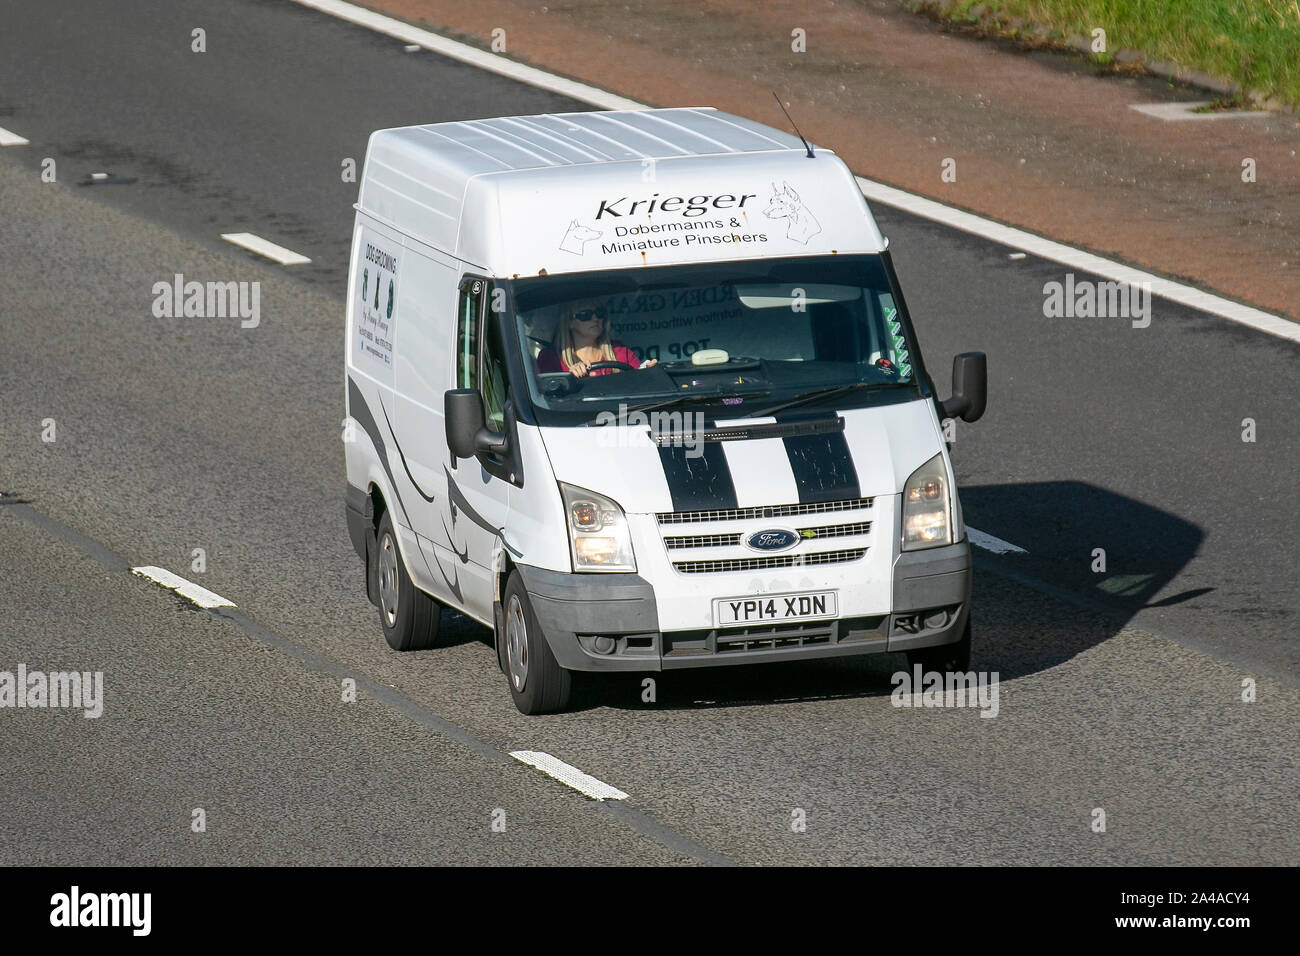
(639,391)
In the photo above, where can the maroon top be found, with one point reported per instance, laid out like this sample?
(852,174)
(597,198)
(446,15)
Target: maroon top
(549,360)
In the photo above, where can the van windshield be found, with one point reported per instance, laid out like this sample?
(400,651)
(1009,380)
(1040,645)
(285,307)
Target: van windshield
(730,339)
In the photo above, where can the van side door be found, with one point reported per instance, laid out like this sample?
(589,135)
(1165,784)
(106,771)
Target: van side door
(478,491)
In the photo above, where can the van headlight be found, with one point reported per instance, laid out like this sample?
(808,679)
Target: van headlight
(599,538)
(927,508)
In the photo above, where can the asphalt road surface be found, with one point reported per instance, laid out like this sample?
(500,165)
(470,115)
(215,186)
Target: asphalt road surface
(1120,691)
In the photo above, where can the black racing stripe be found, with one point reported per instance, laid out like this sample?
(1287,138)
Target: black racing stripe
(822,464)
(701,482)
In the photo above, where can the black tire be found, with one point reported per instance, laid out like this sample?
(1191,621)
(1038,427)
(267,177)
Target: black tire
(413,624)
(946,658)
(537,682)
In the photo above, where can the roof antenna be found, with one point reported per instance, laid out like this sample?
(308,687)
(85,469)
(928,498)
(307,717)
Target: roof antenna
(795,128)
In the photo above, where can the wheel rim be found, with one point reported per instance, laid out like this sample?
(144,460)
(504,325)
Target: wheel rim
(388,580)
(517,643)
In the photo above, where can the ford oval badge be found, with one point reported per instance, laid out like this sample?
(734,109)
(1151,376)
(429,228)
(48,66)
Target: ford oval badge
(772,539)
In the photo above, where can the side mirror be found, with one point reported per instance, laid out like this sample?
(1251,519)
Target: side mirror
(467,434)
(970,384)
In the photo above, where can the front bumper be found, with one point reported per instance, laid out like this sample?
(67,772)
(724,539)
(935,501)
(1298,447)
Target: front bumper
(931,597)
(598,622)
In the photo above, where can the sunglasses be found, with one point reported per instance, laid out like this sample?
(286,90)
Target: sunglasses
(586,315)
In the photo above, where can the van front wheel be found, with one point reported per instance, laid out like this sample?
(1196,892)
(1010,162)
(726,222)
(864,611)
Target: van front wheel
(409,617)
(538,683)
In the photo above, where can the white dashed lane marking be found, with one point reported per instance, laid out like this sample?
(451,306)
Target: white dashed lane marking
(571,776)
(11,139)
(263,247)
(187,589)
(992,543)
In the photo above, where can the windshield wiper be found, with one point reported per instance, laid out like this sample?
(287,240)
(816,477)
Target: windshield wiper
(678,400)
(821,393)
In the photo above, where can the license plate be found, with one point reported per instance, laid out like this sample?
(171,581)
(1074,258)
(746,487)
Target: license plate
(763,608)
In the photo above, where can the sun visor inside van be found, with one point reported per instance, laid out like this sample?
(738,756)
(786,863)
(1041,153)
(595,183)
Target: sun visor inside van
(615,215)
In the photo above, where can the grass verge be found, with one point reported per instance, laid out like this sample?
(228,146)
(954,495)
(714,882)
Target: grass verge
(1253,42)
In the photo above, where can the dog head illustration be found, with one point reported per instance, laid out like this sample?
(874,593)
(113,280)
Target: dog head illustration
(576,237)
(800,224)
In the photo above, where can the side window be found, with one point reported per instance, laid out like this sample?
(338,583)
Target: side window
(469,317)
(494,376)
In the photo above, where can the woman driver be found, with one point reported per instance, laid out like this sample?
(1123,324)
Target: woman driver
(584,341)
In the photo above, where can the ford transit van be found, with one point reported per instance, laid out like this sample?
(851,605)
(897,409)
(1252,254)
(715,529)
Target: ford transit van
(639,391)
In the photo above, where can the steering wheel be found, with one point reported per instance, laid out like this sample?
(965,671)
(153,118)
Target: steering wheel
(620,365)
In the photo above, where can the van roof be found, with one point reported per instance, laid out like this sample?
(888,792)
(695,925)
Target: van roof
(483,189)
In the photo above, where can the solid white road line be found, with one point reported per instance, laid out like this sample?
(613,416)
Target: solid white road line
(879,192)
(1078,259)
(471,55)
(286,257)
(188,589)
(11,139)
(1185,111)
(572,776)
(991,543)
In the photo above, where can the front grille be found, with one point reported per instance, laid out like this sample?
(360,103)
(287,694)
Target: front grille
(677,542)
(776,561)
(776,641)
(835,530)
(763,512)
(702,541)
(775,637)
